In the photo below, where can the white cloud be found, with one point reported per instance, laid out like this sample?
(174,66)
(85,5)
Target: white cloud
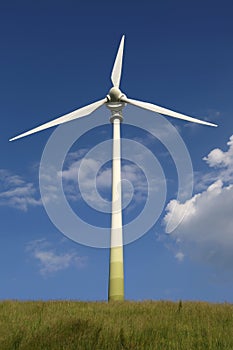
(223,161)
(16,192)
(206,232)
(93,179)
(179,256)
(221,164)
(50,261)
(216,158)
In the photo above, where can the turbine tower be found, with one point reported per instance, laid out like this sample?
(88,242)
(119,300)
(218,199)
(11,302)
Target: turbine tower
(115,102)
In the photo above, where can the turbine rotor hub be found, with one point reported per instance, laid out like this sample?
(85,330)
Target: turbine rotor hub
(115,94)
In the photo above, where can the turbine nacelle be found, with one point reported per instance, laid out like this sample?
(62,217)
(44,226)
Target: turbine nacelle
(115,95)
(115,103)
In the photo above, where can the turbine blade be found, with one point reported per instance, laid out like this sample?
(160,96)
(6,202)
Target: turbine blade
(161,110)
(78,113)
(116,71)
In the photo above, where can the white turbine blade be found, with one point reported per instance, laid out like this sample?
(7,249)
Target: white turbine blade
(78,113)
(116,71)
(161,110)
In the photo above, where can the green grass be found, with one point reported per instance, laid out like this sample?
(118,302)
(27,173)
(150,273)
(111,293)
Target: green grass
(145,325)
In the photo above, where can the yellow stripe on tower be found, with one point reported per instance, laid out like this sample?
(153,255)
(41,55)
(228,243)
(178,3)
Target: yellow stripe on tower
(116,274)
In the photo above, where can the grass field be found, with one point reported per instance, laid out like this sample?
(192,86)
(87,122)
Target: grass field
(120,325)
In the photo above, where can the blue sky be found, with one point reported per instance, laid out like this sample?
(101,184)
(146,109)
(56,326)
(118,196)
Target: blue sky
(57,56)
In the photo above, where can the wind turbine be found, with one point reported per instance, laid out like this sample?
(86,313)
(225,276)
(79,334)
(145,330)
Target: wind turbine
(115,101)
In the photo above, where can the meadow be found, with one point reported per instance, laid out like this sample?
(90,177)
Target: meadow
(149,325)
